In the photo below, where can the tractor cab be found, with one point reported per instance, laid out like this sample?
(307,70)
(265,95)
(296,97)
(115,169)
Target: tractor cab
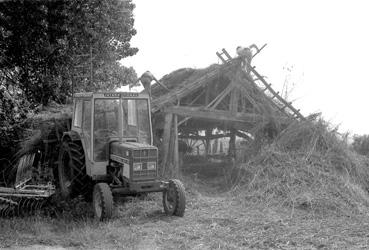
(102,118)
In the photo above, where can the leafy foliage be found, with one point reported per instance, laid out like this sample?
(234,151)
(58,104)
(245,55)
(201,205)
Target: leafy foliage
(13,111)
(47,47)
(50,49)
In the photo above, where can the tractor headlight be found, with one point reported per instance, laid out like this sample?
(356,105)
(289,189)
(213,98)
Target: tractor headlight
(137,166)
(151,165)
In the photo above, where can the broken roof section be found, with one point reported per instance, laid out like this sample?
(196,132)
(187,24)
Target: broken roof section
(222,92)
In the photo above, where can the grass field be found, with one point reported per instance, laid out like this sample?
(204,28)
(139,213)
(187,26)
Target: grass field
(213,220)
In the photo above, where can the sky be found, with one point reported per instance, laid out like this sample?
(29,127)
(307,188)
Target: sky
(318,49)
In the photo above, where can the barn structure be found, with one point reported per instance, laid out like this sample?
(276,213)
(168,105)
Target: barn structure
(226,100)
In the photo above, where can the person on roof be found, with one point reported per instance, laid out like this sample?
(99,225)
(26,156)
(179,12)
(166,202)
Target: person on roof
(146,80)
(246,55)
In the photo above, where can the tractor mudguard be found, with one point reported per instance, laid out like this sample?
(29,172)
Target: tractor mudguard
(71,135)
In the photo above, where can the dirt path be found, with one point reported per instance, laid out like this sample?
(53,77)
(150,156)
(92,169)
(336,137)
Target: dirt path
(211,222)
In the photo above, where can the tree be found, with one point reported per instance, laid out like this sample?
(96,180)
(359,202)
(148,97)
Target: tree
(46,46)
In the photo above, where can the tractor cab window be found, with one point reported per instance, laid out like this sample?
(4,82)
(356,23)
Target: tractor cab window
(136,120)
(105,126)
(77,113)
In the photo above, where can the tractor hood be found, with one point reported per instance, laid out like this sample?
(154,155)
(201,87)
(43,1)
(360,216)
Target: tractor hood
(133,150)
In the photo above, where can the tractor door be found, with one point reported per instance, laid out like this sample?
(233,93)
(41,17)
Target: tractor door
(106,120)
(86,127)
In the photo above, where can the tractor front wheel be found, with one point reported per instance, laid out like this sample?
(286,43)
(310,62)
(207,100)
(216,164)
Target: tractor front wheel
(174,199)
(102,201)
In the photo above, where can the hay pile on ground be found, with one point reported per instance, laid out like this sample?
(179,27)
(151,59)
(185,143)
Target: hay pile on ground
(307,166)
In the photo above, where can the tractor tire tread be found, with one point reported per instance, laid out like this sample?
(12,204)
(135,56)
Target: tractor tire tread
(106,200)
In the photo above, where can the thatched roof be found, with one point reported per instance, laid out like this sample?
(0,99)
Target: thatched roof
(196,87)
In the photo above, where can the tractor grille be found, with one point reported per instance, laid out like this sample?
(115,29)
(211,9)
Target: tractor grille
(144,156)
(144,174)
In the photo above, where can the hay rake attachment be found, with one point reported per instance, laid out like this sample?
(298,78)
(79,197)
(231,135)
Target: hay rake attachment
(28,193)
(24,200)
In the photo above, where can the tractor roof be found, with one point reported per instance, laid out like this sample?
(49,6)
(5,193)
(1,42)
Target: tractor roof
(111,95)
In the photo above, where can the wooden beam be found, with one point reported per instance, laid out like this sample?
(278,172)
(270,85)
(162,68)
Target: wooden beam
(200,137)
(215,102)
(218,115)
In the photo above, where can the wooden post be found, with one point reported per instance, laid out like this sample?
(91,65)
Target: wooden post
(208,133)
(166,140)
(232,144)
(175,148)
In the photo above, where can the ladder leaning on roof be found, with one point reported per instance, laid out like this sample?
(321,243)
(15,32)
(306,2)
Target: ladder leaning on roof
(285,106)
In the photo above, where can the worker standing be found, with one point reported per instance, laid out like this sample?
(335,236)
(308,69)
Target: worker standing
(246,55)
(146,80)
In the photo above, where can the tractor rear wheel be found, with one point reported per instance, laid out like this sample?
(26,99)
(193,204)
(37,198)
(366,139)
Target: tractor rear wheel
(102,201)
(73,180)
(174,199)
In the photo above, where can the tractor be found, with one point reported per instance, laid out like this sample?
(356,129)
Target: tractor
(108,153)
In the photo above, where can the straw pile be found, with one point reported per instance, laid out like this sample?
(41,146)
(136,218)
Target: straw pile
(307,166)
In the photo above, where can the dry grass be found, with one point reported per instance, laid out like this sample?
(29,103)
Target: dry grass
(212,220)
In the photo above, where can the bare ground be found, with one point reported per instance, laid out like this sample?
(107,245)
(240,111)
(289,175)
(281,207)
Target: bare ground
(213,220)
